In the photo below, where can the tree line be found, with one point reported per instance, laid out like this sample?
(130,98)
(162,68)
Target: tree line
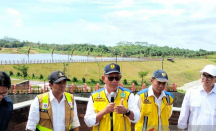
(122,48)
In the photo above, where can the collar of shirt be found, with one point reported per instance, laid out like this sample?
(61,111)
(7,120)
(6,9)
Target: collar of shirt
(52,97)
(151,93)
(200,88)
(109,95)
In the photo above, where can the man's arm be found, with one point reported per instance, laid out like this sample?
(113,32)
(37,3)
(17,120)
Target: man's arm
(138,101)
(134,108)
(75,123)
(185,111)
(34,115)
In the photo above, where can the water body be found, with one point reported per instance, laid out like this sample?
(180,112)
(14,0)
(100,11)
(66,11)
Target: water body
(24,57)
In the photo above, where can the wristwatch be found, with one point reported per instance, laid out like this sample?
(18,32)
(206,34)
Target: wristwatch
(128,112)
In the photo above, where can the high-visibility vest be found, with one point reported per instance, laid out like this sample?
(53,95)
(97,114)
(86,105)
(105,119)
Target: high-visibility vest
(46,116)
(120,121)
(149,120)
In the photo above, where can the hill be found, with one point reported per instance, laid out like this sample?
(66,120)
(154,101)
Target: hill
(180,71)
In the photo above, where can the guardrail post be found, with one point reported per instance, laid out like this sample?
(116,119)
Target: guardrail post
(143,86)
(85,87)
(30,88)
(174,86)
(14,88)
(44,87)
(97,88)
(72,86)
(132,88)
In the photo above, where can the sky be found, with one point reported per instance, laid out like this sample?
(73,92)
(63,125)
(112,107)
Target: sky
(188,24)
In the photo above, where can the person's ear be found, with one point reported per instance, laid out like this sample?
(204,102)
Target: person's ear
(103,77)
(152,81)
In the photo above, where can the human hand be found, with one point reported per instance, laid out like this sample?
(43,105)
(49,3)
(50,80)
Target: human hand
(110,108)
(120,109)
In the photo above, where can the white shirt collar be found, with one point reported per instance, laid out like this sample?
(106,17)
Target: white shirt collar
(213,89)
(106,92)
(151,93)
(52,97)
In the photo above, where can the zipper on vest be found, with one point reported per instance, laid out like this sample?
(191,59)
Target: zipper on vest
(125,123)
(158,118)
(99,126)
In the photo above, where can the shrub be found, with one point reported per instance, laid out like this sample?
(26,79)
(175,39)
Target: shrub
(41,76)
(10,73)
(33,76)
(101,81)
(125,82)
(135,82)
(83,80)
(93,81)
(18,74)
(74,79)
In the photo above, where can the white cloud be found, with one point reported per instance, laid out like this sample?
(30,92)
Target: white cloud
(184,24)
(59,1)
(51,9)
(18,23)
(13,12)
(144,14)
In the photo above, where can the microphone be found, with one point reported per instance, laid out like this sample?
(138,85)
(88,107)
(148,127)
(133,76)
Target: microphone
(112,96)
(111,114)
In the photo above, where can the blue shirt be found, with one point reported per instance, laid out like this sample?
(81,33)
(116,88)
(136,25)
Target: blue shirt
(6,108)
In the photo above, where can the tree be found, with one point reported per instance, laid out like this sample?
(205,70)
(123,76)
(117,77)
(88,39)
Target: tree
(142,74)
(64,67)
(23,69)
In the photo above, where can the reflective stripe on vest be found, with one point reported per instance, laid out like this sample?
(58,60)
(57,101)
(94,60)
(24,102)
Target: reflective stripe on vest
(41,128)
(45,102)
(69,100)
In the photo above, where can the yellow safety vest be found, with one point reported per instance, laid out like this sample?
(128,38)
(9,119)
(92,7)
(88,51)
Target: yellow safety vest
(149,120)
(46,117)
(120,122)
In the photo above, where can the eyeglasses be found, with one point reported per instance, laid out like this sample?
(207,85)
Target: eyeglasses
(208,77)
(112,78)
(3,94)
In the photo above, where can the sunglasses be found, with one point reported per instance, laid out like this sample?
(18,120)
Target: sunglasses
(208,77)
(112,78)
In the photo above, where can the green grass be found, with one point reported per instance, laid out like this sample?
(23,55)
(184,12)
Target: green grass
(16,81)
(181,91)
(180,72)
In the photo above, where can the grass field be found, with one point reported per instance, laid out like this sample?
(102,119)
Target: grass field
(180,71)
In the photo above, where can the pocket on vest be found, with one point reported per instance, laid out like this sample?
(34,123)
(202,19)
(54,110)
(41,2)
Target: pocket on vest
(146,109)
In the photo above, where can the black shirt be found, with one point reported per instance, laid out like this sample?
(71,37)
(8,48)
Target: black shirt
(6,108)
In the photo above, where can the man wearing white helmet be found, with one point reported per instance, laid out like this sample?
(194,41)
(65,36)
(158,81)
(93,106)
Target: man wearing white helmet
(198,109)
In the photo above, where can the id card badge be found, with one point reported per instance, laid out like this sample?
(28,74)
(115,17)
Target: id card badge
(122,95)
(45,106)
